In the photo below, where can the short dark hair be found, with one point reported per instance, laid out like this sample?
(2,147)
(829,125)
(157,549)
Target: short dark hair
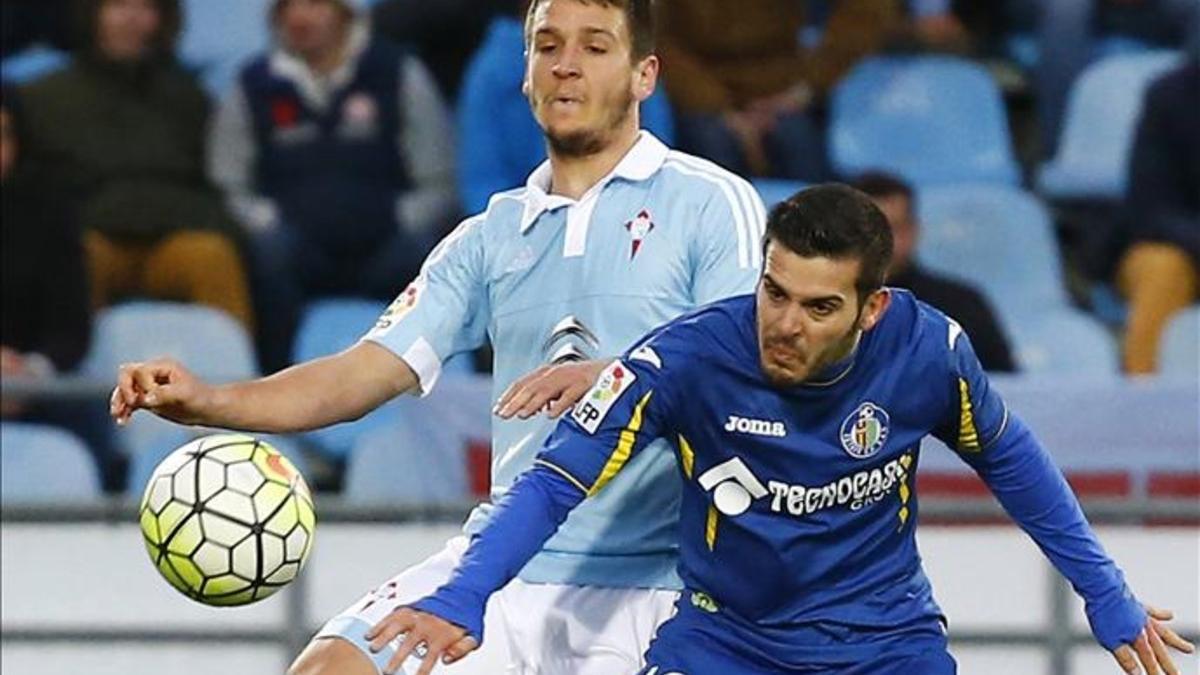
(881,185)
(639,19)
(835,221)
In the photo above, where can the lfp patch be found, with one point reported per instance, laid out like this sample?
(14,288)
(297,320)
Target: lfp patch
(592,408)
(865,430)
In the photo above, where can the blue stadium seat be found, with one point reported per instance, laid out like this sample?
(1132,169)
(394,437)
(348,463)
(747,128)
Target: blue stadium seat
(1179,355)
(1001,239)
(419,455)
(327,327)
(41,464)
(772,190)
(1064,342)
(219,36)
(1101,120)
(929,119)
(209,342)
(32,63)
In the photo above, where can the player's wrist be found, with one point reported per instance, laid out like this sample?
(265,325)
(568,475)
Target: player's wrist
(1116,617)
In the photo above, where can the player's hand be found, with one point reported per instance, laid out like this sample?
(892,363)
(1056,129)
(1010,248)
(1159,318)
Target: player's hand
(164,387)
(551,388)
(431,637)
(1150,647)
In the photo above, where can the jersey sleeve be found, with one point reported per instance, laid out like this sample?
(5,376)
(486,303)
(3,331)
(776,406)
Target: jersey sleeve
(977,414)
(627,409)
(1033,491)
(444,311)
(727,252)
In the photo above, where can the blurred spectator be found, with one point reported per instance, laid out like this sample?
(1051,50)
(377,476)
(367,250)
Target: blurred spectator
(120,134)
(500,143)
(1159,272)
(744,90)
(46,323)
(957,300)
(444,34)
(336,153)
(24,23)
(1067,33)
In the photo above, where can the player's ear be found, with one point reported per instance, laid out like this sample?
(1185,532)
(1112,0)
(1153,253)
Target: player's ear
(645,77)
(874,307)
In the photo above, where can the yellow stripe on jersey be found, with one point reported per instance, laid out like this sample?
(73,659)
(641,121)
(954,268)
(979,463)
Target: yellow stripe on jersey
(620,454)
(687,457)
(710,528)
(905,491)
(968,436)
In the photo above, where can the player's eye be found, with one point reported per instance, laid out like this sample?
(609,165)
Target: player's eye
(597,49)
(545,48)
(823,309)
(775,294)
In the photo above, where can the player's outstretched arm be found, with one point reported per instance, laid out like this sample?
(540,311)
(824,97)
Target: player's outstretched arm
(1152,647)
(310,395)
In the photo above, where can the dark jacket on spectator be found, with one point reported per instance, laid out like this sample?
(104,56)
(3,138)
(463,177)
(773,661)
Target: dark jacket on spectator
(45,288)
(966,306)
(1164,172)
(125,141)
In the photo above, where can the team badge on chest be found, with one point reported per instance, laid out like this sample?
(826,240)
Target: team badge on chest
(638,228)
(865,430)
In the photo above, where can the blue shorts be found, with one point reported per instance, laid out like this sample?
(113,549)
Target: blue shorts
(695,642)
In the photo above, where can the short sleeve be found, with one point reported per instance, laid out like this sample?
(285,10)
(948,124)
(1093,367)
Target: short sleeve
(728,248)
(444,311)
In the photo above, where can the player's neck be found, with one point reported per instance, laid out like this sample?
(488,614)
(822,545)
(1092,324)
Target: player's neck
(574,176)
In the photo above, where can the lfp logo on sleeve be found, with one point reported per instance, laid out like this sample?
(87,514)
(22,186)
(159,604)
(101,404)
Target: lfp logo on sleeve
(591,410)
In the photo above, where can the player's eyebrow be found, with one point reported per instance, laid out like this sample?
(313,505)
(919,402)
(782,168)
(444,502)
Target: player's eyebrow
(588,31)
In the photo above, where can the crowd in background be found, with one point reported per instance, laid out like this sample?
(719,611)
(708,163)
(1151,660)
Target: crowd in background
(332,162)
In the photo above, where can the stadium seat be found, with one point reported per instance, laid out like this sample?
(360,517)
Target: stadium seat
(1001,239)
(41,464)
(1101,120)
(1179,354)
(209,342)
(219,36)
(420,455)
(329,326)
(1064,342)
(32,63)
(772,191)
(929,119)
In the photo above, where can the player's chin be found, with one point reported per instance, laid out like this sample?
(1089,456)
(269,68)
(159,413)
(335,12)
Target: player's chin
(782,375)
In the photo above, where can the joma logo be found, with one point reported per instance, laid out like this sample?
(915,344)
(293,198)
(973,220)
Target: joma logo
(745,425)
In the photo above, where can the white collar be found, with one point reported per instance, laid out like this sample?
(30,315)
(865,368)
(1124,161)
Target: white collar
(639,163)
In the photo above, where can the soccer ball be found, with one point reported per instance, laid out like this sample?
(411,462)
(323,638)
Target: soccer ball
(227,520)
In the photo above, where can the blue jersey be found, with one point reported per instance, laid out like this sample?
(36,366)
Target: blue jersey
(548,279)
(799,506)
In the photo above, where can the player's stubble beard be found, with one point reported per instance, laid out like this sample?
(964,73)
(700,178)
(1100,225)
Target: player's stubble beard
(587,142)
(836,351)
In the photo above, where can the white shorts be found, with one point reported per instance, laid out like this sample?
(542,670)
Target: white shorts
(529,629)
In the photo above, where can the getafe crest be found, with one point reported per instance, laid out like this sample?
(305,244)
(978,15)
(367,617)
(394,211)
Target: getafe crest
(638,228)
(865,430)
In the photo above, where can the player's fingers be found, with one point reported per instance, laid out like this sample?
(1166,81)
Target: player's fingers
(434,649)
(459,649)
(413,642)
(503,405)
(1160,614)
(1126,658)
(1175,641)
(388,628)
(520,398)
(125,383)
(1161,656)
(1146,654)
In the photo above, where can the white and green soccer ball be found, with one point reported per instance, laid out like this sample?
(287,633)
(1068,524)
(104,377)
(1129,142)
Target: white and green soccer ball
(227,520)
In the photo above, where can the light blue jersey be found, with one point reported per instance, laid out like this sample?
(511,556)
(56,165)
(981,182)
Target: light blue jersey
(552,279)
